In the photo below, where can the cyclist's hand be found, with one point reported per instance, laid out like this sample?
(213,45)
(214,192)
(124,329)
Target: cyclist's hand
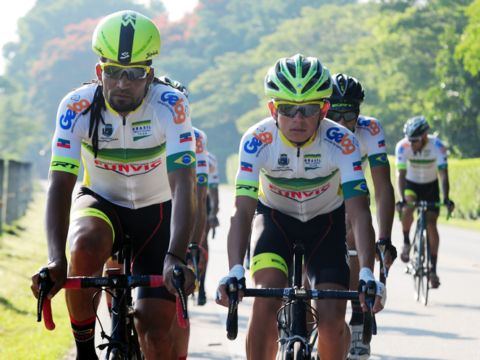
(381,296)
(58,275)
(390,252)
(449,204)
(188,286)
(212,219)
(222,297)
(400,204)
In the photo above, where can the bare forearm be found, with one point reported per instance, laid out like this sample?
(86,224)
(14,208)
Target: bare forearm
(400,186)
(445,186)
(201,218)
(238,238)
(385,201)
(184,213)
(214,200)
(364,239)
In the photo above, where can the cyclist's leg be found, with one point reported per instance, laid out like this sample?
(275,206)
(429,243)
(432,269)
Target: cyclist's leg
(327,264)
(271,259)
(155,307)
(180,338)
(411,191)
(90,239)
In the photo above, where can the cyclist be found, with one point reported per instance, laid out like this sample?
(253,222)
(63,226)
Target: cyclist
(139,180)
(212,221)
(418,157)
(300,158)
(345,101)
(181,336)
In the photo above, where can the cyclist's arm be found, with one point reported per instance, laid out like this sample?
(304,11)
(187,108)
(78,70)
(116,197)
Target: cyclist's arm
(57,219)
(384,198)
(444,183)
(214,200)
(401,176)
(184,209)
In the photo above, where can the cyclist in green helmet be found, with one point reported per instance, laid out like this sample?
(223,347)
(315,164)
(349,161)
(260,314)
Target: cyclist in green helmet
(290,169)
(134,135)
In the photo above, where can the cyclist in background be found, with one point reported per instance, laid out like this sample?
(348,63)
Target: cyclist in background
(212,221)
(345,101)
(181,336)
(139,180)
(419,156)
(300,159)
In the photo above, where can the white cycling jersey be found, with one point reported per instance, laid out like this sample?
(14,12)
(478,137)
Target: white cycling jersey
(135,153)
(422,165)
(300,182)
(212,171)
(369,134)
(201,154)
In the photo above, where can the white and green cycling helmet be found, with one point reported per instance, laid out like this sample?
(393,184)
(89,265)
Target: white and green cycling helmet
(126,37)
(298,79)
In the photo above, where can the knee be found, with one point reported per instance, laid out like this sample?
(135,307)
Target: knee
(265,309)
(153,333)
(331,327)
(88,253)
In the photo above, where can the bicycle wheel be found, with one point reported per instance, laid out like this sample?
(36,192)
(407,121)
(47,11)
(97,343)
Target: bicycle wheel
(425,267)
(298,351)
(416,266)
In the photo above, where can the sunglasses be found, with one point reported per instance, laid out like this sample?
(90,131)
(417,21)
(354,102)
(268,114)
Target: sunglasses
(336,116)
(307,109)
(414,139)
(134,72)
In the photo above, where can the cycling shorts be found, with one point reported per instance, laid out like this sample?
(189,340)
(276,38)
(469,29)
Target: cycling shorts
(326,252)
(424,192)
(148,227)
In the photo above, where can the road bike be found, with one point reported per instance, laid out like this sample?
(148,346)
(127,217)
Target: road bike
(296,341)
(420,263)
(122,343)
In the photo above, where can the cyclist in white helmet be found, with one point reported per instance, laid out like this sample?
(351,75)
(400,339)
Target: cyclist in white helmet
(419,157)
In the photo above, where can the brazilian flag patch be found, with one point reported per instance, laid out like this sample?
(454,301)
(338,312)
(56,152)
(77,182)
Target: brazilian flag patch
(202,179)
(181,160)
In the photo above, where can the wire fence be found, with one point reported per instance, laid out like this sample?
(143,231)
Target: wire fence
(16,187)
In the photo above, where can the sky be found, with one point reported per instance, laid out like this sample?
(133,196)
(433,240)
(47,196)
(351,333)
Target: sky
(19,8)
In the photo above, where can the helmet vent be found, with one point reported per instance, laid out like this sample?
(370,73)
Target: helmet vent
(311,83)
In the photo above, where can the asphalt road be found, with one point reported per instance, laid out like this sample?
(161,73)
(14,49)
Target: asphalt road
(447,328)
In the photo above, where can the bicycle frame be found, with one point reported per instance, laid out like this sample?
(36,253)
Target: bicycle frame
(296,325)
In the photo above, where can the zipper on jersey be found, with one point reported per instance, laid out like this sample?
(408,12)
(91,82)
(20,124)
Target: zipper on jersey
(124,119)
(298,152)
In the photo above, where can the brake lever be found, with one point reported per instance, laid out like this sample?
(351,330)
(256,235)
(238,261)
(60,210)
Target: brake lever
(178,282)
(45,284)
(232,318)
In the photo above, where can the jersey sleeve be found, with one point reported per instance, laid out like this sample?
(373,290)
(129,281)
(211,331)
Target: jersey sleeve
(201,154)
(376,145)
(212,171)
(249,166)
(349,162)
(180,148)
(400,158)
(441,153)
(67,140)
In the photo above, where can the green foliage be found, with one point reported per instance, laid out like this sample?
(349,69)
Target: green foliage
(468,48)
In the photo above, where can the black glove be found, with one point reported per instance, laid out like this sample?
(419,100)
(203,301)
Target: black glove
(388,246)
(448,203)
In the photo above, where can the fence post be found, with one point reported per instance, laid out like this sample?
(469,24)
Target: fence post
(12,192)
(1,194)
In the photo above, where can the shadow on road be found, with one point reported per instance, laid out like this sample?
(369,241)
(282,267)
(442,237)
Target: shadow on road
(420,332)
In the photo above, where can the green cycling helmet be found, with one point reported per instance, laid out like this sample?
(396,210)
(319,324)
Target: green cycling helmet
(298,79)
(126,37)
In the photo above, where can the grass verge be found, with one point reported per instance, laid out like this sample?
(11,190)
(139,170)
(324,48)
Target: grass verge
(21,253)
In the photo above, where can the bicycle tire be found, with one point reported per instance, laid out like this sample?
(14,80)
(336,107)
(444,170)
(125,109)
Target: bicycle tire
(415,262)
(425,266)
(298,351)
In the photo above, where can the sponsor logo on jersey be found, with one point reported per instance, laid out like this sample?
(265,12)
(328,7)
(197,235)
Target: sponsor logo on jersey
(381,143)
(64,164)
(185,160)
(246,166)
(343,139)
(63,143)
(71,113)
(361,187)
(283,160)
(107,130)
(312,161)
(177,104)
(253,189)
(300,196)
(262,128)
(357,166)
(75,97)
(372,126)
(141,129)
(185,137)
(251,146)
(128,169)
(202,163)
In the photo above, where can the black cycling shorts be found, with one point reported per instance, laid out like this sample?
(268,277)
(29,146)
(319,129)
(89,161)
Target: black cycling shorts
(326,252)
(148,227)
(425,192)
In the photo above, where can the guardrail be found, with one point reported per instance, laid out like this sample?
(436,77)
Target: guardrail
(16,179)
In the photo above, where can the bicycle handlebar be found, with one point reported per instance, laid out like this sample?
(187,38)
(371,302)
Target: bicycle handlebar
(370,326)
(423,204)
(112,282)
